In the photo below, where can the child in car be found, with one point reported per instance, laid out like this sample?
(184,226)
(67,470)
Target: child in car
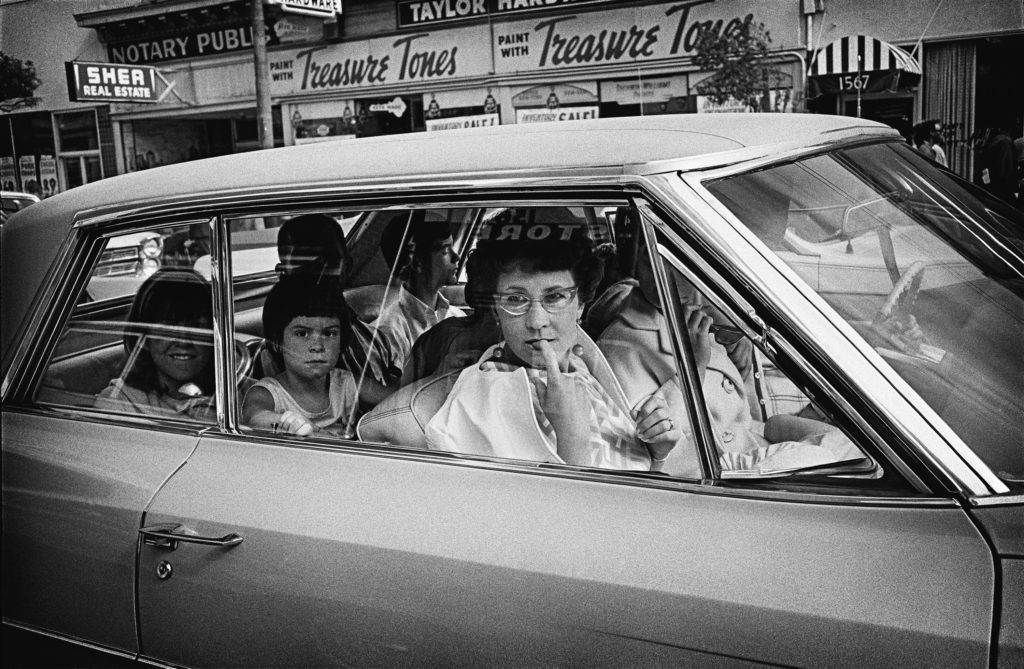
(170,362)
(306,324)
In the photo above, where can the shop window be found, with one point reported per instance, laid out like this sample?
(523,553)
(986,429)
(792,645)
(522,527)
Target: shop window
(77,131)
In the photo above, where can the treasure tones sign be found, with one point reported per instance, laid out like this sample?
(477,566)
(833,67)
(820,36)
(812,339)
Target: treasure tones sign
(565,41)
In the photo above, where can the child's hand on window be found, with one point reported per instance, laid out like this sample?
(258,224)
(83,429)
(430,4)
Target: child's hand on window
(293,423)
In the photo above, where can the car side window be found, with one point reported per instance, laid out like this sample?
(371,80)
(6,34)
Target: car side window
(146,349)
(762,421)
(316,362)
(504,366)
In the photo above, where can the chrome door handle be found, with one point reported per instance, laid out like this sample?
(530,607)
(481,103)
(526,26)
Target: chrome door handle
(165,536)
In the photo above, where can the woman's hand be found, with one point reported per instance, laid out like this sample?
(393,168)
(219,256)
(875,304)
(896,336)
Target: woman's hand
(565,405)
(698,323)
(656,428)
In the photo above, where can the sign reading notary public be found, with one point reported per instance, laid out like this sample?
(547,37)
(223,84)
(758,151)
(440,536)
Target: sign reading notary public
(111,82)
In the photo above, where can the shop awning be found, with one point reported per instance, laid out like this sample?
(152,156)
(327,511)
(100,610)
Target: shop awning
(865,63)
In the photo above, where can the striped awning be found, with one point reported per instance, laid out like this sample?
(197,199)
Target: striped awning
(859,54)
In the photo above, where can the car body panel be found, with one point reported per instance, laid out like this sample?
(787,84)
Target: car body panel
(74,493)
(398,559)
(1010,651)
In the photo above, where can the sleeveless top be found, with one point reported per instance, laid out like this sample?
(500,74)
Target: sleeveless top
(342,390)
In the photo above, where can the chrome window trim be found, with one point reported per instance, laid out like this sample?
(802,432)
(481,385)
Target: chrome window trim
(128,655)
(686,365)
(24,374)
(918,422)
(747,160)
(224,367)
(1016,499)
(644,480)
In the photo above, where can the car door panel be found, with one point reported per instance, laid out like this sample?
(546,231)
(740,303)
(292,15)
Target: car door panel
(357,558)
(73,496)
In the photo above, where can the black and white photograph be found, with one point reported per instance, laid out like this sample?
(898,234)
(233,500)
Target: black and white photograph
(518,333)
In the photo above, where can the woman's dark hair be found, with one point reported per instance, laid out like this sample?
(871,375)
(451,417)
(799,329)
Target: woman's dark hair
(303,294)
(313,243)
(576,255)
(172,296)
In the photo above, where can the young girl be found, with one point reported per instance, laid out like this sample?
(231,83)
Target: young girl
(170,369)
(306,324)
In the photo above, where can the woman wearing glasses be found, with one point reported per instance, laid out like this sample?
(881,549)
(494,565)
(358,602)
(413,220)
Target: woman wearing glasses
(546,392)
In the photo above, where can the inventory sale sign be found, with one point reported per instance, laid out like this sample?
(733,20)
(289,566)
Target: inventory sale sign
(111,82)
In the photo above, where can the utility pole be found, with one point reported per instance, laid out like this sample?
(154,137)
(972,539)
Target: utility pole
(264,121)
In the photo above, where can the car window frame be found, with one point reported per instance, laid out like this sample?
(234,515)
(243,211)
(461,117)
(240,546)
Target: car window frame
(476,204)
(49,315)
(949,461)
(75,263)
(746,312)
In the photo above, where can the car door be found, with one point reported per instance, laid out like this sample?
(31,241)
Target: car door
(276,550)
(76,479)
(361,556)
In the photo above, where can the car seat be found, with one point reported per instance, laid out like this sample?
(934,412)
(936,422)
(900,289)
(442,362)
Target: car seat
(402,418)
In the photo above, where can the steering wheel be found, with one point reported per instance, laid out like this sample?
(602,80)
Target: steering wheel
(895,322)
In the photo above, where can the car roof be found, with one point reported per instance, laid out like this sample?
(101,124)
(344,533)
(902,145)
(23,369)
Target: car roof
(32,237)
(18,194)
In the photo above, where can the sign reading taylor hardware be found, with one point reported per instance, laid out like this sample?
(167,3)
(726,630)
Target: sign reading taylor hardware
(323,8)
(422,12)
(111,82)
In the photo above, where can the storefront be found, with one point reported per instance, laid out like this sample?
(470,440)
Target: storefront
(44,153)
(203,53)
(967,57)
(589,60)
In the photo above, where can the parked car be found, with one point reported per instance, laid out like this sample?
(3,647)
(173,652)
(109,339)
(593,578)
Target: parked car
(12,201)
(195,540)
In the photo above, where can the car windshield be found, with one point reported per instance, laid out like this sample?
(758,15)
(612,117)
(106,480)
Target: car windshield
(925,266)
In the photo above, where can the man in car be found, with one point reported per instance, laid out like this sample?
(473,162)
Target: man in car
(422,260)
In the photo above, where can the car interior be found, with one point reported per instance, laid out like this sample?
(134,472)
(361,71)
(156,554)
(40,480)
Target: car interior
(92,351)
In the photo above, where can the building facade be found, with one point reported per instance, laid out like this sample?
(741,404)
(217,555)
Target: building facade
(392,66)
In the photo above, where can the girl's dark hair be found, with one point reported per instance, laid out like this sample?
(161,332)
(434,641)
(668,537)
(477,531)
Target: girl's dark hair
(303,294)
(577,255)
(172,296)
